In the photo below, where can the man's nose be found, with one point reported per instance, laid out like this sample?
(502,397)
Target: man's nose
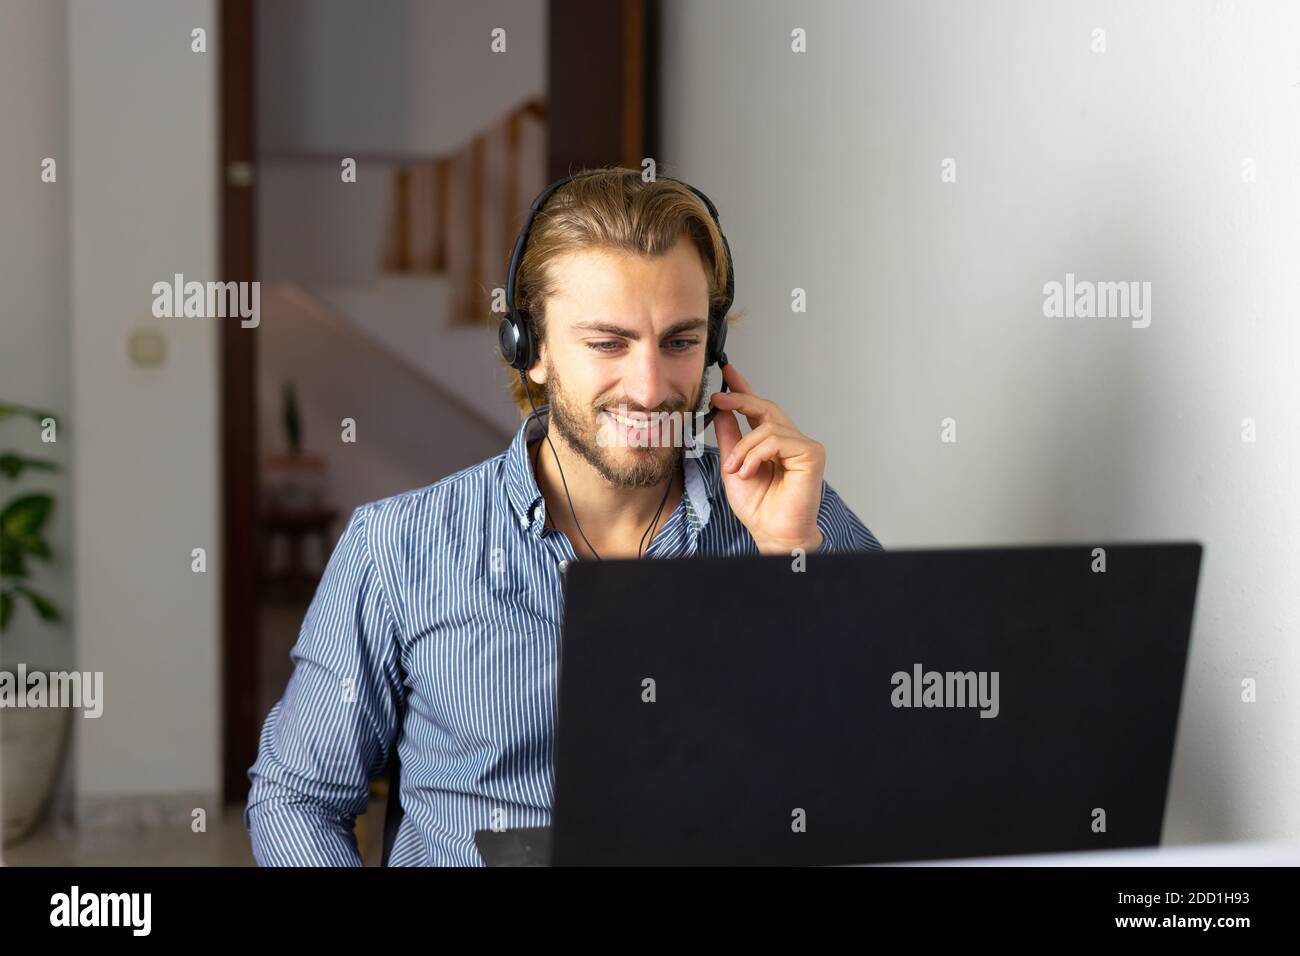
(645,381)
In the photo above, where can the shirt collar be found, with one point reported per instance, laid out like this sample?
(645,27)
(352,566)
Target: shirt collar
(530,508)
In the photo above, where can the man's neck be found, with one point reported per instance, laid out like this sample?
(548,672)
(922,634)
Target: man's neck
(613,519)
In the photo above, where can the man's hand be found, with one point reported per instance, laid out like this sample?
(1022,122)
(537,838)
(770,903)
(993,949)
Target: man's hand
(772,476)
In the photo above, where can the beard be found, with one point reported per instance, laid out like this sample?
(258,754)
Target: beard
(623,467)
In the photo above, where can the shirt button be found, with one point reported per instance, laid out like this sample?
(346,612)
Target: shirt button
(563,565)
(523,521)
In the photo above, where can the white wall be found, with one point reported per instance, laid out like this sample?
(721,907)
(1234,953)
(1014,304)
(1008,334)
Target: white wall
(34,274)
(143,177)
(925,298)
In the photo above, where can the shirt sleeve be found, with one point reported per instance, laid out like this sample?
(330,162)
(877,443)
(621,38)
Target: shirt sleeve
(331,731)
(841,529)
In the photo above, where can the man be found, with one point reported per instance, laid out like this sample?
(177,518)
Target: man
(437,621)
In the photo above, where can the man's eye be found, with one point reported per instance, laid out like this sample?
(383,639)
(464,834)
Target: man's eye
(676,345)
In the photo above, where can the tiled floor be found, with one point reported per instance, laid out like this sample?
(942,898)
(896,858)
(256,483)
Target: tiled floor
(224,844)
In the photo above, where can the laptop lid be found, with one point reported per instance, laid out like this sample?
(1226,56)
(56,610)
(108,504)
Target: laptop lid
(873,707)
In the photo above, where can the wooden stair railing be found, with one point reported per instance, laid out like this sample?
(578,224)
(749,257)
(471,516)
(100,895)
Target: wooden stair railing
(429,235)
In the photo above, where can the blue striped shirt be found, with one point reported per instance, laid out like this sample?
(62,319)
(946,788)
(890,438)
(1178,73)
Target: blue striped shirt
(439,613)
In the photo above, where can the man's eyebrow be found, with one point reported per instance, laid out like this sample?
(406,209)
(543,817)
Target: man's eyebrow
(606,328)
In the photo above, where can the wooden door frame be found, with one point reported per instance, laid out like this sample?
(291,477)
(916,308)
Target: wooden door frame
(238,376)
(602,84)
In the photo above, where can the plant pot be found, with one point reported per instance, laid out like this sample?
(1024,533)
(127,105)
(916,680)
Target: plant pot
(32,743)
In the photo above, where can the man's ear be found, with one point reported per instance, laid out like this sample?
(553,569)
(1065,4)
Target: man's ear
(538,372)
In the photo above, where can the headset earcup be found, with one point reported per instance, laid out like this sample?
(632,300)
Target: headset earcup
(508,341)
(514,337)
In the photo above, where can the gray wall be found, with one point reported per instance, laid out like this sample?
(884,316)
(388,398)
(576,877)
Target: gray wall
(143,176)
(925,299)
(34,274)
(114,94)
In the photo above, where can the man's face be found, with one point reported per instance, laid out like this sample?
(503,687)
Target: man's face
(625,333)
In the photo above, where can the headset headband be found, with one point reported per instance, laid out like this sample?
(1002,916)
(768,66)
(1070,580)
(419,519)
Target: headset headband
(515,335)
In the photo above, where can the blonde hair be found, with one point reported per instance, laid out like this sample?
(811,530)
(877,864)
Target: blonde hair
(611,208)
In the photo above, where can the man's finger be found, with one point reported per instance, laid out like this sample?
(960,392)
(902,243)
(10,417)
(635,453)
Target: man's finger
(735,381)
(756,410)
(753,438)
(727,431)
(792,452)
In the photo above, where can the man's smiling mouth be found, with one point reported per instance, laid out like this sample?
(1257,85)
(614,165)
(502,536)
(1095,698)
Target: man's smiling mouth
(642,421)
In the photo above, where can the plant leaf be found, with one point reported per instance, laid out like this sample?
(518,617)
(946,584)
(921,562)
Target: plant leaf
(23,519)
(13,465)
(6,609)
(36,547)
(11,558)
(44,607)
(35,414)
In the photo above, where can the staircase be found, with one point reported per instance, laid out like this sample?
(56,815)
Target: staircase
(376,303)
(408,255)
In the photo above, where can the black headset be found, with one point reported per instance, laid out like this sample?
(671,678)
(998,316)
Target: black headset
(516,335)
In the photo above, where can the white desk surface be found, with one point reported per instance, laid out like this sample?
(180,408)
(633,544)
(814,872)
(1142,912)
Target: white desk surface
(1210,854)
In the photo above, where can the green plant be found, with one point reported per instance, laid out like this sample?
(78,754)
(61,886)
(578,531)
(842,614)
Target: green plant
(22,521)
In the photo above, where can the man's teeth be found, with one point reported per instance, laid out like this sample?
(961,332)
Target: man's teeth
(632,422)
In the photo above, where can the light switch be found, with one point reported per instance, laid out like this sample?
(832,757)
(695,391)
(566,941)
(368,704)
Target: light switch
(147,347)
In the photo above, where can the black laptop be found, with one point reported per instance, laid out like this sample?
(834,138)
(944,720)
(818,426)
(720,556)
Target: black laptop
(865,708)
